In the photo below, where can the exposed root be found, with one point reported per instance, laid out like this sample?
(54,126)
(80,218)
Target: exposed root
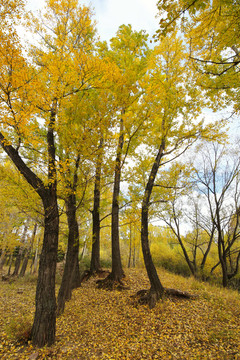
(148,297)
(87,274)
(151,297)
(110,283)
(179,293)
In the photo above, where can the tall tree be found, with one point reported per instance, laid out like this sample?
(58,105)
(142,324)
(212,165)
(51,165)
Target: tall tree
(16,97)
(95,254)
(218,181)
(129,51)
(32,95)
(172,128)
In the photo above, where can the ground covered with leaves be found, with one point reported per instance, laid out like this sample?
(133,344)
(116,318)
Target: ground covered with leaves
(101,324)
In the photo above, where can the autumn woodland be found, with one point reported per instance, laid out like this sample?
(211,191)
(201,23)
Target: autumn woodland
(119,184)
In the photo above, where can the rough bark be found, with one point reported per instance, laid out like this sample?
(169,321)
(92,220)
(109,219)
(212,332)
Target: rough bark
(44,325)
(117,271)
(156,290)
(71,276)
(95,256)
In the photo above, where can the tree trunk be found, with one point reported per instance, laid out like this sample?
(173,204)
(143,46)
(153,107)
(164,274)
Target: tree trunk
(21,251)
(117,271)
(44,325)
(28,252)
(223,262)
(207,250)
(10,264)
(35,260)
(191,267)
(130,246)
(25,263)
(134,251)
(71,275)
(95,256)
(2,259)
(156,290)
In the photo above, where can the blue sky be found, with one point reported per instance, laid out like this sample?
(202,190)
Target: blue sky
(110,14)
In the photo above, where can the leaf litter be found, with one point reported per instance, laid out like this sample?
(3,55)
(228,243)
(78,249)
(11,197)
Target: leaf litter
(102,324)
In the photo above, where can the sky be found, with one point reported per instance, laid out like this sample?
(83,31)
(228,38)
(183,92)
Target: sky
(110,14)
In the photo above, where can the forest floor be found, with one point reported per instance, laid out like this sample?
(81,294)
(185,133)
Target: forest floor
(101,324)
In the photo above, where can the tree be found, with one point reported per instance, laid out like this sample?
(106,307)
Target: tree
(211,29)
(28,251)
(19,203)
(172,128)
(32,94)
(182,210)
(129,51)
(218,181)
(16,92)
(95,254)
(170,210)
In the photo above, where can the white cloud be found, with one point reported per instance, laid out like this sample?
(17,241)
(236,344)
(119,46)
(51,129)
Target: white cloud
(110,14)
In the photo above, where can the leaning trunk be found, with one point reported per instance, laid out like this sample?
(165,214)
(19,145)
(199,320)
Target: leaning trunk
(43,330)
(207,250)
(189,263)
(157,289)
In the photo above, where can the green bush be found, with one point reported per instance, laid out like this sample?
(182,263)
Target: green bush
(84,263)
(176,266)
(106,263)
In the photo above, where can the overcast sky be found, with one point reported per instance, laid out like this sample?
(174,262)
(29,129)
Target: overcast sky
(110,14)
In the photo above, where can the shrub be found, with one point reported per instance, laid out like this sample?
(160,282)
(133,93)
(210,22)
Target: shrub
(19,328)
